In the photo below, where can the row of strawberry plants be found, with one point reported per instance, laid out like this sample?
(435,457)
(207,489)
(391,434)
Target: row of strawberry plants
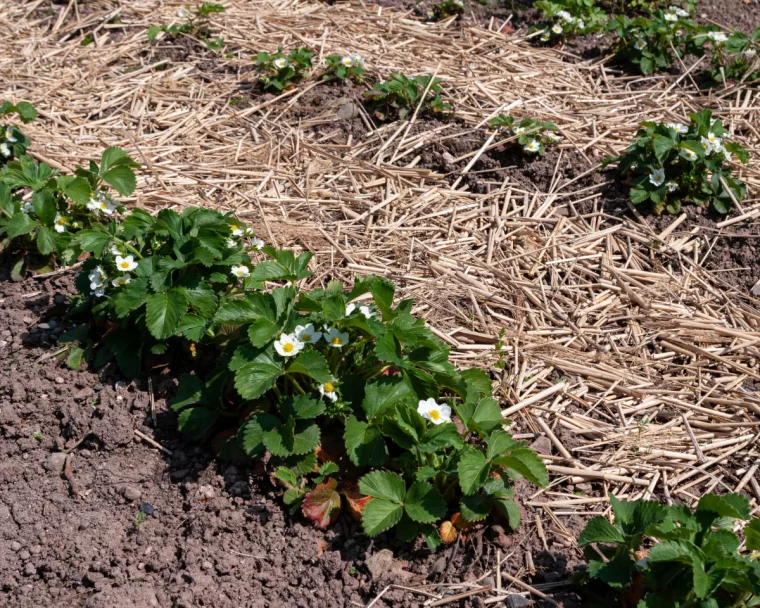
(655,41)
(344,390)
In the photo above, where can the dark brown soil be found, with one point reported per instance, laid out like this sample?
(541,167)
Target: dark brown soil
(732,14)
(215,534)
(493,166)
(732,254)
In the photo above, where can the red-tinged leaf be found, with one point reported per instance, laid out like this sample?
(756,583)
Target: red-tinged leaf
(354,499)
(460,522)
(322,504)
(506,29)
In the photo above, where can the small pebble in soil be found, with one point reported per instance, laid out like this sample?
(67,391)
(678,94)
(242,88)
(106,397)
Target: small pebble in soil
(43,325)
(15,546)
(25,555)
(131,493)
(59,380)
(146,508)
(518,601)
(98,387)
(55,462)
(30,570)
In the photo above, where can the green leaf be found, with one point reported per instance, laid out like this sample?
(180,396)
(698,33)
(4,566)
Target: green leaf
(164,311)
(19,224)
(334,304)
(256,377)
(93,241)
(46,240)
(486,417)
(475,507)
(423,503)
(311,363)
(500,442)
(76,188)
(44,206)
(662,145)
(617,572)
(303,407)
(292,438)
(253,433)
(195,422)
(384,394)
(528,464)
(509,509)
(383,484)
(600,530)
(130,297)
(682,551)
(189,392)
(440,437)
(201,298)
(122,178)
(752,535)
(473,469)
(364,444)
(736,506)
(638,195)
(380,515)
(192,327)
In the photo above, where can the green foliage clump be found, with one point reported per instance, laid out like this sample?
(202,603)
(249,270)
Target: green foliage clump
(532,135)
(446,9)
(348,66)
(653,43)
(194,23)
(695,563)
(568,18)
(279,71)
(346,394)
(670,164)
(401,95)
(735,57)
(13,143)
(40,209)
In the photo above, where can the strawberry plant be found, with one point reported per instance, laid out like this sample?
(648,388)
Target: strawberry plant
(670,164)
(648,44)
(401,95)
(348,66)
(446,9)
(41,209)
(532,135)
(734,56)
(337,393)
(568,18)
(194,23)
(695,563)
(13,143)
(279,71)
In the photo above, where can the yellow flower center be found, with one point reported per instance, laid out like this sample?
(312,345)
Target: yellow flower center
(61,221)
(234,227)
(329,388)
(306,337)
(337,341)
(288,347)
(435,414)
(125,264)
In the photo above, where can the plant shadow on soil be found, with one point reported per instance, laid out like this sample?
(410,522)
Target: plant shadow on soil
(217,533)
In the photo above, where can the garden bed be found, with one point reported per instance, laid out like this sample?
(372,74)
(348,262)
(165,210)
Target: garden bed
(622,334)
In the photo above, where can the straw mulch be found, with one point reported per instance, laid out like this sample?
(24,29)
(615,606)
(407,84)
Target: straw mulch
(638,364)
